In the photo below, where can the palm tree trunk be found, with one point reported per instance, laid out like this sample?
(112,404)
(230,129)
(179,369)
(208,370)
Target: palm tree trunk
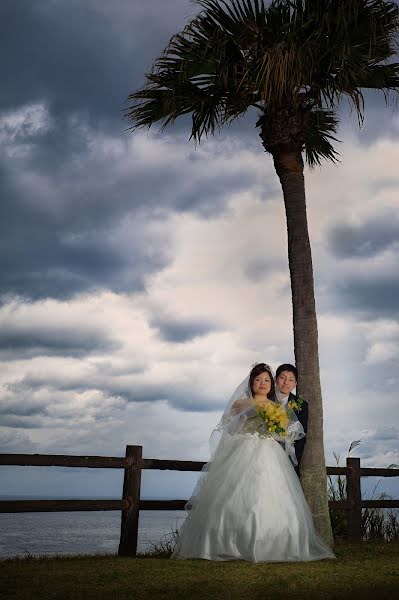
(289,168)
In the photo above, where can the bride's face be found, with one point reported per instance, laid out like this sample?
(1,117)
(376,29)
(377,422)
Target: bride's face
(261,385)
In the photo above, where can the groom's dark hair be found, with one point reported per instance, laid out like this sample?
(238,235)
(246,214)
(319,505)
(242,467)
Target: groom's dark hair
(287,367)
(257,370)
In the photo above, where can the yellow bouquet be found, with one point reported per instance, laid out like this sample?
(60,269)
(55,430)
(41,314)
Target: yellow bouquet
(273,415)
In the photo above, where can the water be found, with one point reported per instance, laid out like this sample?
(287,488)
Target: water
(64,533)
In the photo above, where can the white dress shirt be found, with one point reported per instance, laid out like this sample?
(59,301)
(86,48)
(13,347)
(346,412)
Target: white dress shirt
(281,398)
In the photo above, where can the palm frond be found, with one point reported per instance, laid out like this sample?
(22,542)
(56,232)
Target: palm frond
(289,53)
(322,126)
(356,41)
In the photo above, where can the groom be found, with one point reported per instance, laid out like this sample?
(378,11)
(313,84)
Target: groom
(286,380)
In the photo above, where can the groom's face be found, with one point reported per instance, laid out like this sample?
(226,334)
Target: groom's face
(286,382)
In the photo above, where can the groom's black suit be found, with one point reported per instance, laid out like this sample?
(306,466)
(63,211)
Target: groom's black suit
(303,419)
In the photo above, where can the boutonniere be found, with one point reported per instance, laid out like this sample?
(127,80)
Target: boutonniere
(296,404)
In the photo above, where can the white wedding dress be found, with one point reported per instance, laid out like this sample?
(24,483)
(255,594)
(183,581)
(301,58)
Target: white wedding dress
(250,506)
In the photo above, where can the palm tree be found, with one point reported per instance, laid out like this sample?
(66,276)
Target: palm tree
(294,61)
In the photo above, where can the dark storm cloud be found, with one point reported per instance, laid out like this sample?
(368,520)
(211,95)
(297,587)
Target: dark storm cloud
(179,396)
(21,422)
(55,58)
(375,295)
(376,298)
(86,56)
(81,59)
(19,409)
(381,442)
(24,407)
(47,262)
(129,390)
(61,209)
(59,230)
(63,194)
(58,341)
(365,239)
(81,55)
(388,434)
(56,235)
(173,330)
(377,120)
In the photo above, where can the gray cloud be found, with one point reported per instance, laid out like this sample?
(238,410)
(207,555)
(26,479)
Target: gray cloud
(84,58)
(261,268)
(87,55)
(60,231)
(174,330)
(59,242)
(21,421)
(387,434)
(374,294)
(124,388)
(375,298)
(80,53)
(60,219)
(31,341)
(385,183)
(366,239)
(22,405)
(15,441)
(38,402)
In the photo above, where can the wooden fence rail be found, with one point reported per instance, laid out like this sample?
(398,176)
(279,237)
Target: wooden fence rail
(130,504)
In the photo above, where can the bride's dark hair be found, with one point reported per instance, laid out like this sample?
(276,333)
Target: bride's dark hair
(257,370)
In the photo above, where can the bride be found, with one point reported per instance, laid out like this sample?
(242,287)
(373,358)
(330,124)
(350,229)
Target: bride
(249,503)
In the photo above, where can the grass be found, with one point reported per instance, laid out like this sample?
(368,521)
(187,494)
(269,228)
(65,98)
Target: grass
(367,570)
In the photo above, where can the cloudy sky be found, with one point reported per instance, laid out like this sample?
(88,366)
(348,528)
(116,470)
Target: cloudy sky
(141,276)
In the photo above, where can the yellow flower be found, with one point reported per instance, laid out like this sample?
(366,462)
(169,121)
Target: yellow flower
(274,415)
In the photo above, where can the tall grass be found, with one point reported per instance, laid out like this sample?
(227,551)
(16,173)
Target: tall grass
(378,524)
(164,547)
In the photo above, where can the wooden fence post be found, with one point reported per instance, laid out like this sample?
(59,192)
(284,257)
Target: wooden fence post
(131,495)
(354,496)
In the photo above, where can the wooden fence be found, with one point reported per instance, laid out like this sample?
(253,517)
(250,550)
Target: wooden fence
(130,504)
